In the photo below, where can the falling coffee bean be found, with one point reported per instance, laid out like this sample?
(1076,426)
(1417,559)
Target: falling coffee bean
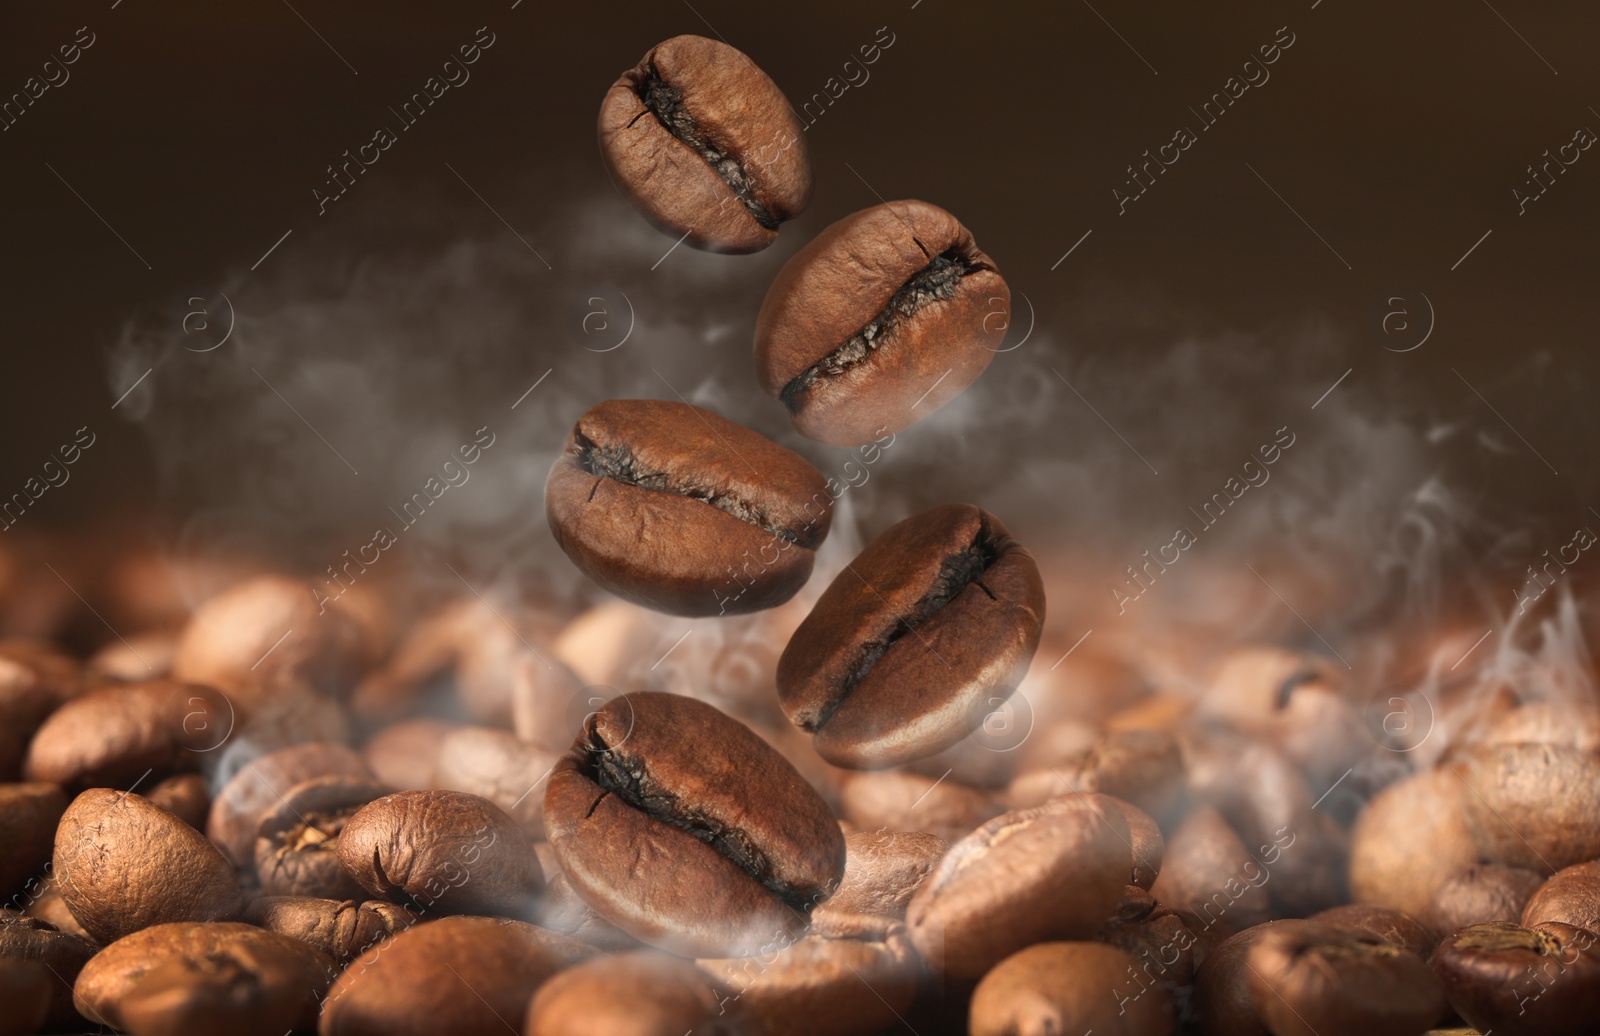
(738,846)
(706,146)
(939,611)
(675,508)
(879,321)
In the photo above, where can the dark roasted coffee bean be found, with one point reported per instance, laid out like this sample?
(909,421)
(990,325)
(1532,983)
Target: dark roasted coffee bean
(630,994)
(882,871)
(1307,978)
(879,321)
(740,847)
(186,796)
(236,812)
(1533,806)
(26,990)
(115,736)
(1159,941)
(678,509)
(341,929)
(497,766)
(444,852)
(706,146)
(1069,988)
(1207,871)
(65,955)
(1484,894)
(1571,896)
(298,839)
(1223,1005)
(28,817)
(936,615)
(221,978)
(457,974)
(1053,871)
(1392,926)
(847,986)
(124,864)
(892,800)
(1516,981)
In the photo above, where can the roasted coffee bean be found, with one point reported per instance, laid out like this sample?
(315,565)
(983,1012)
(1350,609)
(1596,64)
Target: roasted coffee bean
(222,978)
(1408,840)
(1223,1005)
(115,736)
(236,812)
(237,641)
(142,656)
(891,800)
(1533,806)
(124,864)
(706,146)
(500,768)
(405,755)
(937,614)
(28,817)
(26,990)
(457,974)
(882,871)
(1143,767)
(43,898)
(33,683)
(1392,926)
(843,986)
(1068,987)
(686,830)
(680,510)
(630,994)
(298,839)
(1053,871)
(1516,981)
(1568,725)
(1159,941)
(1307,978)
(879,321)
(186,796)
(341,929)
(542,689)
(1484,894)
(443,851)
(29,939)
(1207,871)
(1571,896)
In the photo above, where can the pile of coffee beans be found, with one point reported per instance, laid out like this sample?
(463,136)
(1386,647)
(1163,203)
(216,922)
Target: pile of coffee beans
(394,813)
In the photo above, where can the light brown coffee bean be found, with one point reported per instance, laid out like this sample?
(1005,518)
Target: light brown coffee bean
(1307,978)
(1069,988)
(882,871)
(405,755)
(1408,840)
(1531,805)
(1485,894)
(115,736)
(343,930)
(1223,1004)
(1207,871)
(1571,896)
(186,796)
(706,146)
(1392,926)
(879,321)
(630,994)
(1144,767)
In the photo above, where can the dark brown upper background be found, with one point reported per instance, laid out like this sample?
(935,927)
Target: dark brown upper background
(1398,132)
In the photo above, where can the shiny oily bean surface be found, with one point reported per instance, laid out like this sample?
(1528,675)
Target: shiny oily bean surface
(114,736)
(879,321)
(682,827)
(1571,896)
(906,645)
(1067,988)
(675,508)
(706,145)
(630,994)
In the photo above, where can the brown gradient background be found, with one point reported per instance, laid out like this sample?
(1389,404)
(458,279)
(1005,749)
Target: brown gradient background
(198,131)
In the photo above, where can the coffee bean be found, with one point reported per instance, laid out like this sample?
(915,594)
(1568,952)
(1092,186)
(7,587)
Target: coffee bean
(1571,896)
(879,321)
(456,974)
(1223,1004)
(706,146)
(33,683)
(1308,978)
(29,939)
(542,689)
(1053,871)
(1159,940)
(221,977)
(844,986)
(28,817)
(1516,981)
(1533,806)
(405,755)
(236,812)
(738,846)
(43,896)
(636,994)
(1484,894)
(1392,926)
(186,796)
(882,871)
(115,736)
(675,508)
(1567,725)
(341,929)
(26,990)
(939,612)
(1408,840)
(297,840)
(1067,987)
(500,768)
(115,858)
(443,851)
(1144,767)
(1208,871)
(891,800)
